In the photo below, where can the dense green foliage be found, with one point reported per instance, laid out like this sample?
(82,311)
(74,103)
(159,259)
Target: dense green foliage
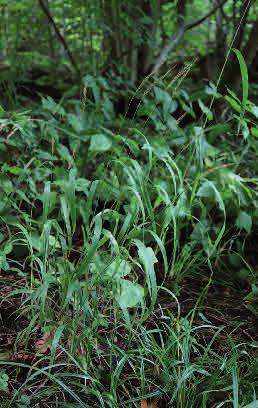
(50,43)
(128,208)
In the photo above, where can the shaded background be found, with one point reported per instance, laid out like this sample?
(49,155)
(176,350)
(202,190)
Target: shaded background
(50,45)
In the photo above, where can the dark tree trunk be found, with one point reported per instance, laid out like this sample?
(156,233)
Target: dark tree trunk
(180,10)
(59,35)
(249,51)
(134,48)
(242,20)
(146,51)
(221,39)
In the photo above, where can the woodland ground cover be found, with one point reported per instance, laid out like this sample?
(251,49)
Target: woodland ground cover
(128,206)
(127,254)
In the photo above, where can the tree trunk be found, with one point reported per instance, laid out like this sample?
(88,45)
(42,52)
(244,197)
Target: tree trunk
(146,51)
(243,14)
(180,11)
(127,44)
(221,39)
(179,34)
(59,35)
(249,51)
(251,46)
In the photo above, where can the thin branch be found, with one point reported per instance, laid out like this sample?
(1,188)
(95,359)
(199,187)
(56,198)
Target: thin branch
(202,19)
(174,40)
(59,35)
(178,35)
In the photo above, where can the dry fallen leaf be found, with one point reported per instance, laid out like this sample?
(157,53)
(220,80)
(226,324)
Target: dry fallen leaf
(144,404)
(43,344)
(24,357)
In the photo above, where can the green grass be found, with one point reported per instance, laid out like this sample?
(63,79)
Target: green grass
(104,233)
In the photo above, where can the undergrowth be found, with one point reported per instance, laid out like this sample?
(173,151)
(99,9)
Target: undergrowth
(121,239)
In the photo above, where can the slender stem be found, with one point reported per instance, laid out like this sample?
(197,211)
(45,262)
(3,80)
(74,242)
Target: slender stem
(59,35)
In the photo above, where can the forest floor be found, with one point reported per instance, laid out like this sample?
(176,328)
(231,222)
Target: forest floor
(128,258)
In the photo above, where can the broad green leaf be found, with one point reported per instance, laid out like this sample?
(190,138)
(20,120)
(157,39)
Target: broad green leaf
(206,190)
(162,250)
(3,381)
(82,185)
(100,143)
(2,112)
(253,404)
(148,259)
(254,110)
(254,289)
(172,123)
(233,103)
(188,108)
(234,96)
(254,131)
(244,75)
(46,156)
(169,104)
(118,269)
(205,110)
(219,128)
(6,249)
(211,90)
(107,106)
(131,294)
(75,122)
(64,153)
(53,242)
(65,209)
(244,221)
(55,342)
(13,169)
(149,109)
(49,104)
(200,232)
(90,82)
(245,129)
(48,200)
(200,144)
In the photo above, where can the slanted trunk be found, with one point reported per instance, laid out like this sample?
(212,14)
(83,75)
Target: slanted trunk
(59,35)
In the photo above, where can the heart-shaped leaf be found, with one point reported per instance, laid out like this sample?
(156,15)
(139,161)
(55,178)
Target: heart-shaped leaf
(131,294)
